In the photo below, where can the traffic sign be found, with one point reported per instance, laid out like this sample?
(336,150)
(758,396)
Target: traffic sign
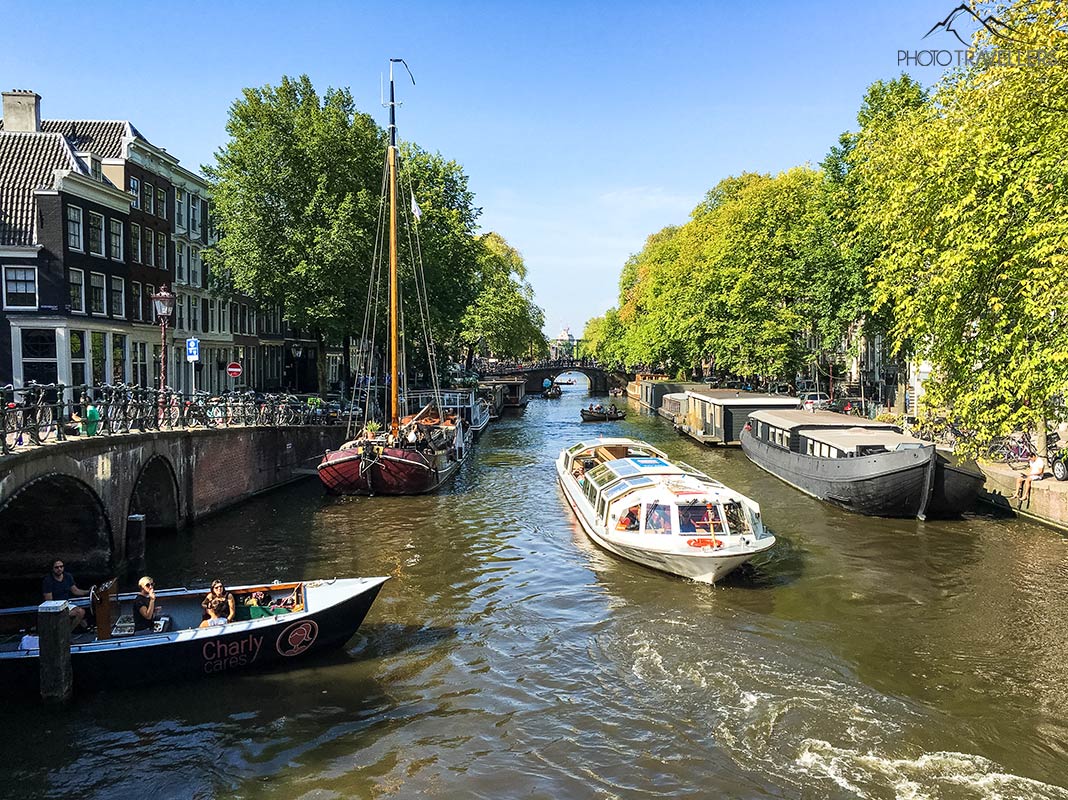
(192,349)
(233,369)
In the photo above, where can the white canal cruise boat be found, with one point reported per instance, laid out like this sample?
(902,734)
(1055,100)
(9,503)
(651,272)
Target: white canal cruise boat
(631,500)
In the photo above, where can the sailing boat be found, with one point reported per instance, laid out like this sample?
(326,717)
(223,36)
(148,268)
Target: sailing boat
(417,452)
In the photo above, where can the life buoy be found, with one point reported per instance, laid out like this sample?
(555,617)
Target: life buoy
(704,542)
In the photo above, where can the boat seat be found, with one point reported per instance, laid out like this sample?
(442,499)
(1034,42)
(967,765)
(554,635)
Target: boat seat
(124,625)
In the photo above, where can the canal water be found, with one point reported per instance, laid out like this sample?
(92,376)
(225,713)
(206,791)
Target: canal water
(509,657)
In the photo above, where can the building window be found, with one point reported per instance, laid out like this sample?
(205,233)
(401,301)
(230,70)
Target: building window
(211,316)
(20,287)
(39,355)
(135,301)
(194,215)
(135,243)
(150,250)
(77,358)
(96,293)
(96,234)
(76,284)
(118,358)
(161,203)
(179,208)
(194,266)
(135,191)
(147,194)
(161,250)
(179,312)
(179,261)
(149,291)
(118,297)
(194,313)
(139,363)
(115,236)
(74,229)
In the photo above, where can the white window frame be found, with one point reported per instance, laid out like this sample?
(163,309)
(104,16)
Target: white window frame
(161,202)
(80,222)
(161,252)
(179,264)
(104,278)
(149,245)
(111,239)
(194,267)
(119,312)
(148,194)
(149,291)
(179,209)
(70,283)
(103,235)
(36,288)
(139,307)
(135,190)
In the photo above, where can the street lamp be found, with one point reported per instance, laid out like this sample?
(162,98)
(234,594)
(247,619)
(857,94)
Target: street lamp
(163,302)
(298,350)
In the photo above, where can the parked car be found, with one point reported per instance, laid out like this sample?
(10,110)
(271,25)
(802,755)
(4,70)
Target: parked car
(811,401)
(848,405)
(780,388)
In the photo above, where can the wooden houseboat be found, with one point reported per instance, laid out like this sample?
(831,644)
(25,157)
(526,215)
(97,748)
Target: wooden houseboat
(717,416)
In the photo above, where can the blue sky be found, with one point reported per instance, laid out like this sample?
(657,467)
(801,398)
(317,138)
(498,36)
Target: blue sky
(584,127)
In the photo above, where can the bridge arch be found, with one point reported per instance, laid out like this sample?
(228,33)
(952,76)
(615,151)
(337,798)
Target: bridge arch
(155,494)
(54,516)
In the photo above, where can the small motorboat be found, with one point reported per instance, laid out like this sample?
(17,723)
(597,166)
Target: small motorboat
(601,414)
(632,501)
(568,382)
(274,625)
(552,393)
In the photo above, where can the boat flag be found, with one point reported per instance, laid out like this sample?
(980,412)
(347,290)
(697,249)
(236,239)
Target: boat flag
(415,209)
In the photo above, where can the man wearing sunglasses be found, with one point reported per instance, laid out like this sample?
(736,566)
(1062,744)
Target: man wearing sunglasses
(60,585)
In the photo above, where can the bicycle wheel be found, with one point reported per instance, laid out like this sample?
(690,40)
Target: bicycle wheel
(46,423)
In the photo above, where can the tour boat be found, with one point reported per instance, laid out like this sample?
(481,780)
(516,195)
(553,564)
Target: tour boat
(413,454)
(860,465)
(287,622)
(633,501)
(602,414)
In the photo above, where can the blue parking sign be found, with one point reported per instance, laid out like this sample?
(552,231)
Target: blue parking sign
(192,349)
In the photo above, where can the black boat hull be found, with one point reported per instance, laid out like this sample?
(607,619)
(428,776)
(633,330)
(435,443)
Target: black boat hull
(893,484)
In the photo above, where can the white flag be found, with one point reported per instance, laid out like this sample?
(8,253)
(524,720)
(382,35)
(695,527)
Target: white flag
(415,209)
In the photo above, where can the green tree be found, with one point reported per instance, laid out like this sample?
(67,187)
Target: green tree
(295,198)
(968,195)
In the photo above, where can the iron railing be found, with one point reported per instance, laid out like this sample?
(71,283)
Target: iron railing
(38,413)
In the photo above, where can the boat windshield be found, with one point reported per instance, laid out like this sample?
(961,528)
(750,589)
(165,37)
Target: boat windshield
(695,517)
(737,519)
(657,518)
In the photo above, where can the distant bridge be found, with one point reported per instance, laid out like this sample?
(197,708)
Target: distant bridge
(538,372)
(72,499)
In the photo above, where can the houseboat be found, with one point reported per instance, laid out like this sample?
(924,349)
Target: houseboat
(515,392)
(862,466)
(633,501)
(717,416)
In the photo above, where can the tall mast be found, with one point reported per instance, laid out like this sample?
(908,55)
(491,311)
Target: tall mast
(394,302)
(394,293)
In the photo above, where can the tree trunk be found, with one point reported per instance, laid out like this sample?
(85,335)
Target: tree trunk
(320,363)
(1040,436)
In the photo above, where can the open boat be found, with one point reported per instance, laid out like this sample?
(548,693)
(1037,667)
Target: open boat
(418,452)
(860,465)
(552,393)
(631,500)
(601,414)
(290,621)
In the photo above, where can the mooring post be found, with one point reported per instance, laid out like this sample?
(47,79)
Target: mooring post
(135,540)
(53,631)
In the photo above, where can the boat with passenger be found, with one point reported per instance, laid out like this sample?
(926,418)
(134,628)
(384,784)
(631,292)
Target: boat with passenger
(274,624)
(860,465)
(599,413)
(632,500)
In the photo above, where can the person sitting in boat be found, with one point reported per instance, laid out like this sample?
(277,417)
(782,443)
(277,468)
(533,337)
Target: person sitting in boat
(658,520)
(219,605)
(145,609)
(598,407)
(629,521)
(60,585)
(711,521)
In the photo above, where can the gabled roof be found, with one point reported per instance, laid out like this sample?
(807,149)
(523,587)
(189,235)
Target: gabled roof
(103,137)
(27,162)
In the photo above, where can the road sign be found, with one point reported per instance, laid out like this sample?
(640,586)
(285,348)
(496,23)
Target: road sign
(192,349)
(233,369)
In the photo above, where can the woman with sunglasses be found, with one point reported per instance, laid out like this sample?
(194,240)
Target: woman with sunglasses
(144,605)
(218,605)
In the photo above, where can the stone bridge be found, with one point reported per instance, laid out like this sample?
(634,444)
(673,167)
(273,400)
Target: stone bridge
(600,379)
(71,499)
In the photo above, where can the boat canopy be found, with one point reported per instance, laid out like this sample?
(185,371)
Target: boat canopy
(795,419)
(740,397)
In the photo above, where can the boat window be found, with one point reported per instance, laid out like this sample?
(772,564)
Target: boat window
(624,468)
(699,518)
(737,521)
(658,518)
(628,521)
(600,475)
(909,446)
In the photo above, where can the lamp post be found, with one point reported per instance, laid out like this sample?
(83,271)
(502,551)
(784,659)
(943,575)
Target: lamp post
(298,350)
(163,302)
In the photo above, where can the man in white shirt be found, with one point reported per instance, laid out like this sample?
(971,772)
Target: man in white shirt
(1036,471)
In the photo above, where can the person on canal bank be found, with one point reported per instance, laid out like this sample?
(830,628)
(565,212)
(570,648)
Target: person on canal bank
(145,609)
(1036,471)
(219,605)
(89,424)
(60,585)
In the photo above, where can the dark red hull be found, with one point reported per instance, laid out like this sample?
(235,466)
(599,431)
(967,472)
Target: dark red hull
(394,470)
